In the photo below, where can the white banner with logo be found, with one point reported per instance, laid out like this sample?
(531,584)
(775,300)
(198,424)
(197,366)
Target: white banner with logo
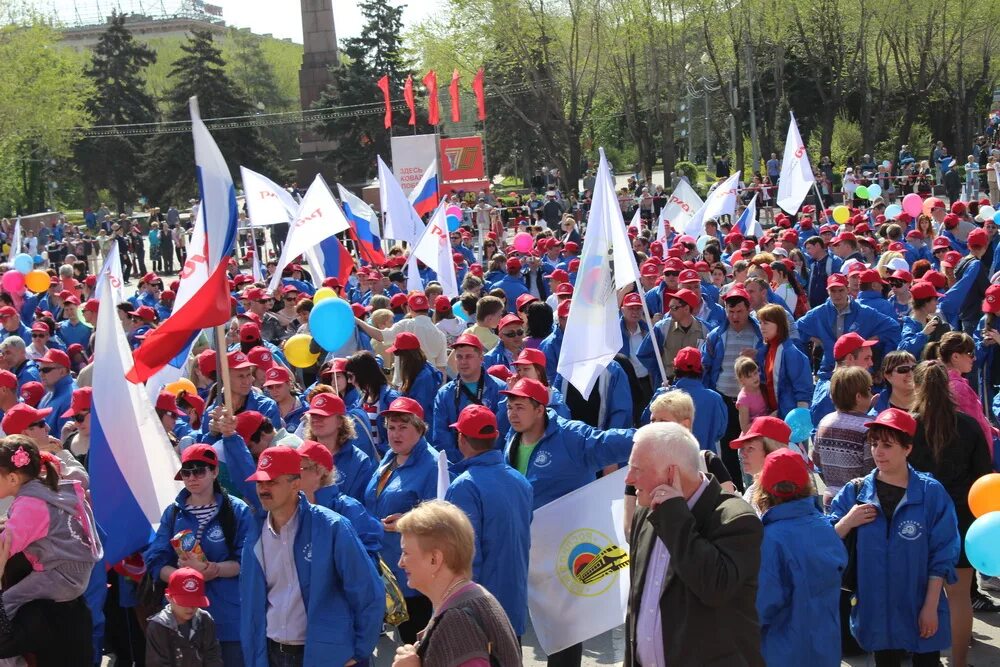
(578,577)
(411,156)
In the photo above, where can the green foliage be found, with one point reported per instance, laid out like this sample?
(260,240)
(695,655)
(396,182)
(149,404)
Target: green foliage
(692,171)
(847,141)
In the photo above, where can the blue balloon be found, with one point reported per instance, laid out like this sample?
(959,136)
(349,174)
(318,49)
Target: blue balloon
(981,544)
(996,217)
(23,263)
(801,424)
(875,191)
(892,211)
(331,323)
(886,164)
(459,312)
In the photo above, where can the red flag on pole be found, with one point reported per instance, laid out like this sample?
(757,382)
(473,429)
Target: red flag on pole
(433,112)
(456,111)
(383,85)
(477,85)
(408,96)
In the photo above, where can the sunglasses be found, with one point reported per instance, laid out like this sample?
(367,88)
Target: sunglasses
(896,283)
(289,298)
(673,307)
(513,334)
(43,371)
(39,424)
(197,473)
(39,335)
(671,274)
(264,301)
(940,250)
(903,370)
(79,417)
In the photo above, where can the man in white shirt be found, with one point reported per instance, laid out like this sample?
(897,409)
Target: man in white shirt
(432,340)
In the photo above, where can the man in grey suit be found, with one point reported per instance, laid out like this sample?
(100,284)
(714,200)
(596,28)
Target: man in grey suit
(694,560)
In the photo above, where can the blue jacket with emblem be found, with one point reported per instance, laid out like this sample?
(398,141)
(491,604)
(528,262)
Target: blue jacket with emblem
(798,590)
(343,595)
(368,528)
(821,321)
(568,456)
(222,592)
(352,471)
(424,389)
(895,561)
(713,351)
(408,485)
(497,500)
(449,401)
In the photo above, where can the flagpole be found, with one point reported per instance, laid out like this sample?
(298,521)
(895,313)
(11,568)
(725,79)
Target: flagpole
(656,346)
(223,367)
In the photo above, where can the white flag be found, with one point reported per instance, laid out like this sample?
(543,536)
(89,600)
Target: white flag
(578,577)
(444,479)
(434,250)
(15,241)
(796,174)
(113,270)
(680,208)
(636,222)
(720,201)
(319,218)
(401,222)
(593,337)
(267,202)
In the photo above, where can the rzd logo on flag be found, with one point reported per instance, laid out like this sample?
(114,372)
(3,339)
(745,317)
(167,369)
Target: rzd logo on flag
(588,562)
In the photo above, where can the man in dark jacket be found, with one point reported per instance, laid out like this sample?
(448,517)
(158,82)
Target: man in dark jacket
(695,557)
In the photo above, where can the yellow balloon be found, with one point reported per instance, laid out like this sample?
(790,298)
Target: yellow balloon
(180,385)
(323,293)
(297,351)
(841,214)
(37,281)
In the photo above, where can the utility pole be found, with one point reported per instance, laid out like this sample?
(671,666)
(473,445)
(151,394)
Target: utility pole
(754,144)
(708,131)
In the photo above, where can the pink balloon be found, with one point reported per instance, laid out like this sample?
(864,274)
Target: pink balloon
(13,282)
(913,205)
(523,242)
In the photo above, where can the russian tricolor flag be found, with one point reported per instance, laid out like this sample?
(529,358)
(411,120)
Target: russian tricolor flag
(335,259)
(209,305)
(747,223)
(364,226)
(425,196)
(131,462)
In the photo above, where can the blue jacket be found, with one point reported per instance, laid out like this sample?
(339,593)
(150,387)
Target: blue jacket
(568,456)
(449,401)
(512,287)
(368,528)
(712,313)
(951,303)
(223,592)
(343,595)
(821,321)
(713,351)
(798,589)
(821,404)
(497,500)
(294,416)
(410,484)
(874,299)
(26,372)
(913,338)
(626,349)
(75,333)
(551,345)
(792,376)
(352,471)
(236,465)
(616,397)
(654,299)
(710,413)
(425,388)
(647,356)
(818,273)
(557,402)
(58,398)
(894,562)
(22,331)
(499,356)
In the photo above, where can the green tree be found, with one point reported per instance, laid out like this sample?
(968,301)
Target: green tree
(364,60)
(169,160)
(118,97)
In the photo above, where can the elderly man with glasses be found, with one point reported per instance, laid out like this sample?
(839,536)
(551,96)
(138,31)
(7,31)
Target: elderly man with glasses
(54,368)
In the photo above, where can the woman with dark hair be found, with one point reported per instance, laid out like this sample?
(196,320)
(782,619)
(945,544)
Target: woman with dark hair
(786,371)
(416,378)
(801,567)
(329,423)
(210,526)
(950,445)
(366,375)
(897,370)
(489,250)
(785,285)
(907,544)
(539,322)
(958,353)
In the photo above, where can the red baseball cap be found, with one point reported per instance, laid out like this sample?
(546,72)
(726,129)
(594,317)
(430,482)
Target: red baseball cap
(326,405)
(936,278)
(198,453)
(513,264)
(80,402)
(249,332)
(275,462)
(563,309)
(206,362)
(572,246)
(237,360)
(688,359)
(508,320)
(500,372)
(632,299)
(977,238)
(557,274)
(144,313)
(687,296)
(523,301)
(951,221)
(469,340)
(527,388)
(194,400)
(649,269)
(850,342)
(574,264)
(317,453)
(871,276)
(737,291)
(934,203)
(836,280)
(247,423)
(915,234)
(951,258)
(168,402)
(442,304)
(275,375)
(92,306)
(21,416)
(398,300)
(530,356)
(404,405)
(41,327)
(843,236)
(764,427)
(9,381)
(477,421)
(895,419)
(32,392)
(404,341)
(900,274)
(958,207)
(7,311)
(922,289)
(991,302)
(418,302)
(564,289)
(57,357)
(186,587)
(940,243)
(784,473)
(261,357)
(673,264)
(688,276)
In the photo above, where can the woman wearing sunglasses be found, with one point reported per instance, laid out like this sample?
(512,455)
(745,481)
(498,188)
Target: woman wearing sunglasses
(511,330)
(897,369)
(214,525)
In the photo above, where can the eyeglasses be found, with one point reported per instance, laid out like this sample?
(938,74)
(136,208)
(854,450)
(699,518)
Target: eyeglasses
(80,416)
(289,298)
(940,250)
(675,307)
(896,284)
(903,370)
(197,473)
(671,274)
(264,301)
(39,335)
(39,424)
(43,371)
(513,334)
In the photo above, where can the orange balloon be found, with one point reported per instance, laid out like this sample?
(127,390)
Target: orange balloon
(37,281)
(984,496)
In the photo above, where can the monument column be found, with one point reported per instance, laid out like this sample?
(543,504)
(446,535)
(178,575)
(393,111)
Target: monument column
(319,40)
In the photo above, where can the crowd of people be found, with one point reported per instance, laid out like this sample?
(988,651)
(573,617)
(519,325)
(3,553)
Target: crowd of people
(309,523)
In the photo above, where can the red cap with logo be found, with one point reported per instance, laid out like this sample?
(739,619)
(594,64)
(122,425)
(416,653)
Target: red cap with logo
(57,357)
(925,290)
(20,416)
(688,359)
(144,313)
(326,405)
(978,238)
(468,340)
(200,453)
(530,356)
(247,423)
(405,340)
(564,289)
(237,361)
(80,402)
(836,280)
(275,462)
(404,405)
(510,320)
(872,276)
(687,296)
(186,587)
(276,375)
(849,343)
(523,301)
(317,453)
(500,372)
(558,274)
(9,381)
(764,427)
(940,243)
(528,388)
(477,421)
(737,291)
(632,299)
(688,276)
(261,357)
(991,302)
(951,258)
(784,473)
(32,392)
(895,419)
(563,309)
(418,302)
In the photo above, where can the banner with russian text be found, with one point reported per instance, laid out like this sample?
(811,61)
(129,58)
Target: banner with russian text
(411,156)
